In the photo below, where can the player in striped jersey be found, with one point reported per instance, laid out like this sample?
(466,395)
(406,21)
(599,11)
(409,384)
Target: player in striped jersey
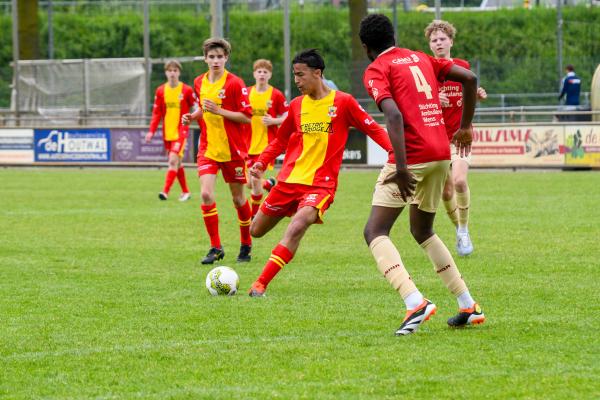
(269,109)
(441,38)
(223,112)
(313,137)
(172,100)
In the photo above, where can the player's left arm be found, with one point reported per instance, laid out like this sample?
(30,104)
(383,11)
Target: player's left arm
(464,136)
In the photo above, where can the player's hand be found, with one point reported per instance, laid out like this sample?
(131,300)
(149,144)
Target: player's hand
(462,139)
(211,107)
(148,137)
(444,100)
(257,169)
(186,119)
(481,93)
(267,120)
(405,180)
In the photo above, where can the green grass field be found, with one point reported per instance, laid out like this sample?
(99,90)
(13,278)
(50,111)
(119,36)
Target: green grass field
(102,296)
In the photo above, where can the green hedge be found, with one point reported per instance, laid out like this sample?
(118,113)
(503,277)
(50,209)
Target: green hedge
(514,51)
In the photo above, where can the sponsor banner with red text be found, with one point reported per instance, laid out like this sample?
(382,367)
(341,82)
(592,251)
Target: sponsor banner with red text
(582,145)
(16,146)
(518,145)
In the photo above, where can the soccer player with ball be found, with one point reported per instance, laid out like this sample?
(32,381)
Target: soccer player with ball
(405,85)
(313,137)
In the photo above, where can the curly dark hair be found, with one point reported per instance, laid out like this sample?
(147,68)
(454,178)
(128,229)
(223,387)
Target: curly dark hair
(311,58)
(377,32)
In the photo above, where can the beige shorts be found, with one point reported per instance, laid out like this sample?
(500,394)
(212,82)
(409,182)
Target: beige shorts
(455,157)
(430,177)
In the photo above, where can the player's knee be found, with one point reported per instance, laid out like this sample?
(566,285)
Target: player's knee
(421,234)
(447,193)
(239,201)
(461,184)
(207,197)
(256,231)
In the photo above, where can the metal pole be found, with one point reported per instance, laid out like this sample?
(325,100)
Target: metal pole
(50,31)
(226,12)
(15,43)
(406,5)
(216,24)
(147,61)
(287,63)
(438,9)
(559,40)
(395,18)
(86,87)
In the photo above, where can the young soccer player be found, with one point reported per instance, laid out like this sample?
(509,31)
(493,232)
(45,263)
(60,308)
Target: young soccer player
(404,84)
(441,39)
(269,109)
(224,109)
(313,137)
(171,101)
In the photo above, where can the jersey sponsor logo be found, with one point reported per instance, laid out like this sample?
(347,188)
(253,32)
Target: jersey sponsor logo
(316,127)
(259,112)
(413,58)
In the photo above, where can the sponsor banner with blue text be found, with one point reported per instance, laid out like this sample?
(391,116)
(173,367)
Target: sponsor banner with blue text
(16,146)
(72,145)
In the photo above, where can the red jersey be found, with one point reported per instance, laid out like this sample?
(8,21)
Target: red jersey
(411,79)
(314,135)
(221,139)
(169,105)
(271,102)
(453,112)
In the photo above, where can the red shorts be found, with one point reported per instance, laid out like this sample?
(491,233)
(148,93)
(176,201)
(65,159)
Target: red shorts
(176,146)
(285,199)
(252,158)
(233,171)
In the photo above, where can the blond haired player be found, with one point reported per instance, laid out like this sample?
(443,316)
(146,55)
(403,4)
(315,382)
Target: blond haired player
(224,111)
(171,101)
(269,109)
(404,85)
(441,39)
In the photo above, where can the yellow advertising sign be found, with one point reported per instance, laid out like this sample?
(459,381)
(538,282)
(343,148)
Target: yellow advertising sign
(582,144)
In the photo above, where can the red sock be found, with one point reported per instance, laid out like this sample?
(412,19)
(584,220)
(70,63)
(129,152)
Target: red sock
(245,218)
(211,221)
(169,179)
(182,181)
(280,256)
(256,200)
(267,184)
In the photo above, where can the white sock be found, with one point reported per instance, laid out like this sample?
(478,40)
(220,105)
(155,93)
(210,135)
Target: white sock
(465,300)
(413,300)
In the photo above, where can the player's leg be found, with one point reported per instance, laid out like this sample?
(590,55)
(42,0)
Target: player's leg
(244,213)
(210,215)
(422,216)
(283,253)
(449,199)
(460,169)
(256,193)
(185,191)
(387,206)
(173,159)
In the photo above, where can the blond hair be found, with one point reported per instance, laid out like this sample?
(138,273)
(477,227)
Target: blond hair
(173,63)
(216,43)
(439,25)
(262,63)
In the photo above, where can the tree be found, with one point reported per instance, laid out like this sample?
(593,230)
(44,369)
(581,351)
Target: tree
(358,10)
(29,30)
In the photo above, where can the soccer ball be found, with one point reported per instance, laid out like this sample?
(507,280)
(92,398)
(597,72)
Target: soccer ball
(222,281)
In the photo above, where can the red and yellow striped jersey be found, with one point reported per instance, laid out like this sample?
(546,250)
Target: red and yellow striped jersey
(169,105)
(314,135)
(221,139)
(271,102)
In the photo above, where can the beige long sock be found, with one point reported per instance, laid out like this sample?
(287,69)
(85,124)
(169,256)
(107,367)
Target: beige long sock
(444,265)
(463,201)
(390,265)
(452,209)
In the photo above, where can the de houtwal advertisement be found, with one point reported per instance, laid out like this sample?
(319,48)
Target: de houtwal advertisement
(72,145)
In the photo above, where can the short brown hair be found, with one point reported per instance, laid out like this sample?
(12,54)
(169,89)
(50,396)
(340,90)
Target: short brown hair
(173,63)
(262,63)
(216,43)
(439,25)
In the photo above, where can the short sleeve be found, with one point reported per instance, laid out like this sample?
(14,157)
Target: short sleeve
(376,83)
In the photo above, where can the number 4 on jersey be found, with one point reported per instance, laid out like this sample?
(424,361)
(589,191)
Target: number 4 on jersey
(420,82)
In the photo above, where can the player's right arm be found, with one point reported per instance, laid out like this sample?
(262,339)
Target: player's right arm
(158,112)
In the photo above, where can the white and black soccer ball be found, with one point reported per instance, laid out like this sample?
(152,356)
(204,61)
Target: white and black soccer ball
(222,281)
